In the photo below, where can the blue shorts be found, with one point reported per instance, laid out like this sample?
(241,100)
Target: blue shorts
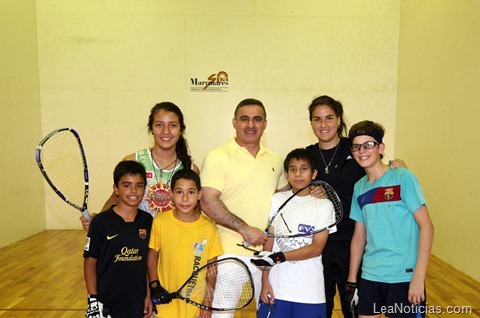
(389,299)
(289,309)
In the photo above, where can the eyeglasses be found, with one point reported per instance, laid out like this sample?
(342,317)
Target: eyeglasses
(365,145)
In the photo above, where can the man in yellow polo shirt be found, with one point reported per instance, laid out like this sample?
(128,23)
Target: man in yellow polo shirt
(238,181)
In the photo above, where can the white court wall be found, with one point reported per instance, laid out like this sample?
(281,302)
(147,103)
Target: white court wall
(104,64)
(437,117)
(21,188)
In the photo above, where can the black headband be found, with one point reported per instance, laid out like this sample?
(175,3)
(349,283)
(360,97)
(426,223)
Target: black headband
(375,134)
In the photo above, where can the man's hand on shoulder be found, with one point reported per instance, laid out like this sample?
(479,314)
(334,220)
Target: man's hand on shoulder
(397,163)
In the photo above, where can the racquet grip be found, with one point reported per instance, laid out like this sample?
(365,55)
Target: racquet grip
(245,244)
(86,214)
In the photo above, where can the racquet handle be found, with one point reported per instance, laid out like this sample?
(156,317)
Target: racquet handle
(86,215)
(246,244)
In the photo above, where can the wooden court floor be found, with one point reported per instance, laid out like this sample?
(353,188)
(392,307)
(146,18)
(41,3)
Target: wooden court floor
(42,276)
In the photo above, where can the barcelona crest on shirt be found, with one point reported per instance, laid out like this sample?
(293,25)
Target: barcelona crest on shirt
(388,194)
(380,195)
(142,233)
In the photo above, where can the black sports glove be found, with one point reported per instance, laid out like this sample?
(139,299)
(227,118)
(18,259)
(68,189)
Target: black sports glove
(268,260)
(95,308)
(159,294)
(351,295)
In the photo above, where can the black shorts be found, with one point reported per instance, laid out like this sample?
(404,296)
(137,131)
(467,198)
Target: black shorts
(389,299)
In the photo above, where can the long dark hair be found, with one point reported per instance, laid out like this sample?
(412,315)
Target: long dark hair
(181,147)
(337,108)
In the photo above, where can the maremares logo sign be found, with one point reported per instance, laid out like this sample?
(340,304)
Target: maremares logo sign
(216,82)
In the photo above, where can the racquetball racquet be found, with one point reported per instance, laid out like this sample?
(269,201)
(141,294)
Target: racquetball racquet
(61,159)
(303,214)
(223,285)
(353,310)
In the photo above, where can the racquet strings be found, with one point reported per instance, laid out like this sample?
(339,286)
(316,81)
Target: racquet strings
(225,284)
(62,160)
(307,214)
(332,196)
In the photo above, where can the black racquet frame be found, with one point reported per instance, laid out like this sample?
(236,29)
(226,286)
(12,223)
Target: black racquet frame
(332,196)
(193,279)
(38,156)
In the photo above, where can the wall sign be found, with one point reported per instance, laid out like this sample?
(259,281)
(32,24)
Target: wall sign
(216,82)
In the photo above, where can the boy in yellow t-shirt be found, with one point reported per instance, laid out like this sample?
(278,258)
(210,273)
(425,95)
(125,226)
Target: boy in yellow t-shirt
(181,241)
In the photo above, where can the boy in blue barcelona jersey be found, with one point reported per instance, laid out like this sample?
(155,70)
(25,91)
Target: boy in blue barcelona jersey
(115,256)
(393,233)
